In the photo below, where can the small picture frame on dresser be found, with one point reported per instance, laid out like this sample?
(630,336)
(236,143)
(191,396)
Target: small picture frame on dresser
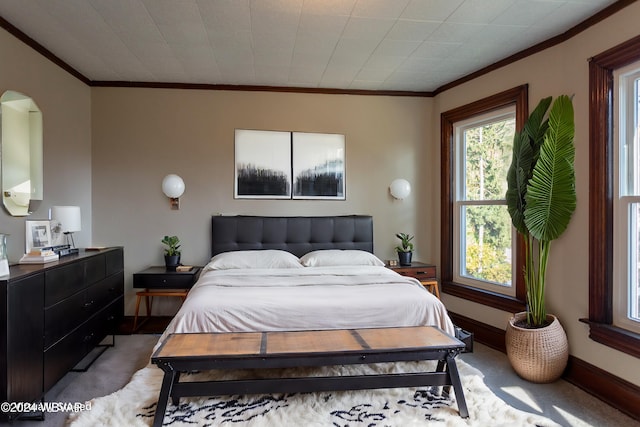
(37,235)
(57,236)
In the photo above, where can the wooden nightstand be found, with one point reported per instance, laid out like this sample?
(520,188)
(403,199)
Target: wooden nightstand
(158,282)
(425,273)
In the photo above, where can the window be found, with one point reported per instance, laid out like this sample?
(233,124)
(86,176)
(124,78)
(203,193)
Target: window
(605,306)
(478,242)
(482,227)
(627,198)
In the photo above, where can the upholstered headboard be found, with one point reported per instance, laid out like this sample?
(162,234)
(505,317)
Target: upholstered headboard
(296,234)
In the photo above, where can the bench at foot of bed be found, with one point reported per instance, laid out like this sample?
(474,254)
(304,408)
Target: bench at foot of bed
(202,351)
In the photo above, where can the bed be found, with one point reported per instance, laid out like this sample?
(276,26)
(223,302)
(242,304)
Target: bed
(301,273)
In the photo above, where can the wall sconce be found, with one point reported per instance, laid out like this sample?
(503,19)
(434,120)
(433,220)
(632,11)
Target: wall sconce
(173,188)
(69,219)
(400,188)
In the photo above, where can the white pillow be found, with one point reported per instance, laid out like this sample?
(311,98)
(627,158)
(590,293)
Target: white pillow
(337,257)
(268,258)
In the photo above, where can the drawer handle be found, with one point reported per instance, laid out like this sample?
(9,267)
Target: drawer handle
(110,318)
(88,304)
(88,338)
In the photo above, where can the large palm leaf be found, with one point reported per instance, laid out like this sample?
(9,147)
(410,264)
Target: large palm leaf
(526,148)
(551,195)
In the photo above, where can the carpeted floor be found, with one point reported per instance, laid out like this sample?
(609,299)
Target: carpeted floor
(561,402)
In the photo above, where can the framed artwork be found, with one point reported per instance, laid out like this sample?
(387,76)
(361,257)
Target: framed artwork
(57,236)
(318,166)
(289,165)
(38,234)
(263,164)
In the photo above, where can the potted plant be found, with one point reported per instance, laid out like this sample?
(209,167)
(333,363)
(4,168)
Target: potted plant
(405,249)
(171,252)
(541,199)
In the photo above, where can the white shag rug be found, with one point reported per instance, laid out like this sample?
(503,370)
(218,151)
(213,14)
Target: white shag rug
(134,405)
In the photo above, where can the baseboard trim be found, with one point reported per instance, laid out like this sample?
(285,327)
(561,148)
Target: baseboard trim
(609,388)
(616,392)
(486,334)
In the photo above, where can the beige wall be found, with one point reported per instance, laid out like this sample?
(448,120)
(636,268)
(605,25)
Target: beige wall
(65,103)
(559,70)
(140,135)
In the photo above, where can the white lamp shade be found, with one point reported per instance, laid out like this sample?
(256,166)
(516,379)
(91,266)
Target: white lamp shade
(68,217)
(400,188)
(172,186)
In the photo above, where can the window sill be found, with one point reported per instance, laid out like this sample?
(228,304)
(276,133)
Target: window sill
(484,297)
(614,337)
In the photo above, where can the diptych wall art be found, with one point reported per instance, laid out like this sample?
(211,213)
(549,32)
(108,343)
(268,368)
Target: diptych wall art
(284,165)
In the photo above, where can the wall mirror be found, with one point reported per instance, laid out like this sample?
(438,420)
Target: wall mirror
(22,183)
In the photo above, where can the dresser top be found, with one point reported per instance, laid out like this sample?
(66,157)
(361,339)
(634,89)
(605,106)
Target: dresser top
(17,271)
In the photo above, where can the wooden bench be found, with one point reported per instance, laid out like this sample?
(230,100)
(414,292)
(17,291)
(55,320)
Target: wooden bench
(202,351)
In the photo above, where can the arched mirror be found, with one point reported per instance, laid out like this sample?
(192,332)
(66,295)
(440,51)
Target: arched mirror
(21,142)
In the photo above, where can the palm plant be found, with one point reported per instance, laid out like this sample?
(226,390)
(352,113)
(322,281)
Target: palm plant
(541,195)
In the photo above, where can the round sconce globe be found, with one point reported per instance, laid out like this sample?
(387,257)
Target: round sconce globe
(400,188)
(172,186)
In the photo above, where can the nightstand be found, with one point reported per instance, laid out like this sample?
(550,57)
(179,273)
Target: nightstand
(424,273)
(158,282)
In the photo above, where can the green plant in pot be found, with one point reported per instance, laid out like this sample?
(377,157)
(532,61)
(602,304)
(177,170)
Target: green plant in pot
(541,199)
(405,248)
(171,252)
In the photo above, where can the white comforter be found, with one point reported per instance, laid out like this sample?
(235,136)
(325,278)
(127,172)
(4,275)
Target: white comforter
(306,298)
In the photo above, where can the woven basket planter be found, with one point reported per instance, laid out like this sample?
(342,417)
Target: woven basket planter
(537,355)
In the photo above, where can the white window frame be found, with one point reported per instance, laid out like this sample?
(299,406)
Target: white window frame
(459,203)
(624,249)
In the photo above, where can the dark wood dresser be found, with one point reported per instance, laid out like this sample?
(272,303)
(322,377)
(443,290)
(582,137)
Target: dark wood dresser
(52,316)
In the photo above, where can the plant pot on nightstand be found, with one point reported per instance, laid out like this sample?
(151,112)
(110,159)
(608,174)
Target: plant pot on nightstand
(405,258)
(172,262)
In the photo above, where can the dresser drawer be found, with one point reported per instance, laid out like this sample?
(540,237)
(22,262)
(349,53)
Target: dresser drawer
(105,291)
(95,269)
(103,323)
(114,261)
(64,355)
(63,282)
(62,318)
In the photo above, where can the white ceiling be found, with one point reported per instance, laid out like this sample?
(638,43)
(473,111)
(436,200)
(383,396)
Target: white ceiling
(390,45)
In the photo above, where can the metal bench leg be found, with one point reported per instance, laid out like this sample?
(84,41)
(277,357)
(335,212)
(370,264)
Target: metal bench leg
(452,368)
(165,391)
(176,399)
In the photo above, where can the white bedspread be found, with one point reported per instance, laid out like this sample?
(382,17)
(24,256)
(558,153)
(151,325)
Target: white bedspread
(306,298)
